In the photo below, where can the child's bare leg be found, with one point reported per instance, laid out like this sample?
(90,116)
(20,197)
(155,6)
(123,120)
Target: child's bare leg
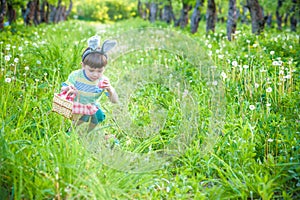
(91,127)
(78,123)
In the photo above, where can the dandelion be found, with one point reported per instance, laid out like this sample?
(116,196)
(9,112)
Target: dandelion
(7,58)
(221,56)
(268,104)
(270,140)
(276,63)
(224,76)
(16,60)
(281,72)
(8,80)
(269,89)
(38,62)
(234,63)
(256,85)
(246,66)
(26,68)
(272,52)
(252,107)
(215,83)
(209,46)
(20,48)
(248,41)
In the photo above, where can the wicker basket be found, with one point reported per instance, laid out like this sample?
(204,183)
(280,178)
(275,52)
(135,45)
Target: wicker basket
(62,105)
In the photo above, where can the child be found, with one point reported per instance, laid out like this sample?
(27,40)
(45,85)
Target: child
(88,83)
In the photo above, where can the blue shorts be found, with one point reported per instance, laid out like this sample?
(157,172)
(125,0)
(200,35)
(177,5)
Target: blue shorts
(96,118)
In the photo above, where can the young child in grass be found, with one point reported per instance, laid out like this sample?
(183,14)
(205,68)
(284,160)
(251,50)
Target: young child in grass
(89,82)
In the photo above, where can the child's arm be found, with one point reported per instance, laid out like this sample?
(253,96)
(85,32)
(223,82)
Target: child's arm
(112,94)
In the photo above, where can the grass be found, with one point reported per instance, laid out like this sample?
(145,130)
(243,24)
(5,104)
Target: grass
(199,117)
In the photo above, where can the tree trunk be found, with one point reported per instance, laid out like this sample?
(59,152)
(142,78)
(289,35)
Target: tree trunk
(45,12)
(231,21)
(294,12)
(29,13)
(196,16)
(257,18)
(211,16)
(52,13)
(167,14)
(184,18)
(69,10)
(37,17)
(2,13)
(153,12)
(278,15)
(269,20)
(11,13)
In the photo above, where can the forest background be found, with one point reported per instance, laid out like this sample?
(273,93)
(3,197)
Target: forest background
(218,100)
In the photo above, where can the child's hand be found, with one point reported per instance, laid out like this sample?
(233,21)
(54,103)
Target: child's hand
(104,83)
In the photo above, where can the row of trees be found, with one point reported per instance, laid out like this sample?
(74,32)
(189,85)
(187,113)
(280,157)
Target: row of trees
(35,11)
(260,12)
(179,12)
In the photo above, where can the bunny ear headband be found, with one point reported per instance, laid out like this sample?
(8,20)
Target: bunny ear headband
(94,43)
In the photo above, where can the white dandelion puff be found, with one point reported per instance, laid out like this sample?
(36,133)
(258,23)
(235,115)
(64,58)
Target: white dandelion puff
(269,89)
(272,52)
(8,80)
(7,58)
(252,107)
(234,63)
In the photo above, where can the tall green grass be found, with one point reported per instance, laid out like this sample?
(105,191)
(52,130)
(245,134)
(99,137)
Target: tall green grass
(164,94)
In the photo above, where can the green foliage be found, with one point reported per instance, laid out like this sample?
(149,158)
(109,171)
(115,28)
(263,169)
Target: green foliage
(104,11)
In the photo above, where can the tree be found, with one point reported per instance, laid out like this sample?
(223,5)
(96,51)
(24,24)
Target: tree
(294,11)
(2,13)
(231,21)
(279,15)
(211,16)
(153,11)
(195,18)
(257,18)
(184,18)
(167,13)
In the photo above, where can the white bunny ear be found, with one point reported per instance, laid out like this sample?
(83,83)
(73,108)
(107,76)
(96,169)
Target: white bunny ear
(108,45)
(94,42)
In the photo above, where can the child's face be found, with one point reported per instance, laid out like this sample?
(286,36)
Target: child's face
(93,73)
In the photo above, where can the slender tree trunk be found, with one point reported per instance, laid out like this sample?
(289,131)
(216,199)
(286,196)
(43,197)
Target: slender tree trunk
(257,18)
(69,10)
(211,16)
(196,16)
(29,13)
(2,13)
(153,12)
(231,21)
(278,15)
(184,18)
(37,16)
(45,12)
(167,13)
(269,20)
(11,13)
(294,11)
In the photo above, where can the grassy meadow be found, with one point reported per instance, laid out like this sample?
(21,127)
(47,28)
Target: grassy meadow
(199,117)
